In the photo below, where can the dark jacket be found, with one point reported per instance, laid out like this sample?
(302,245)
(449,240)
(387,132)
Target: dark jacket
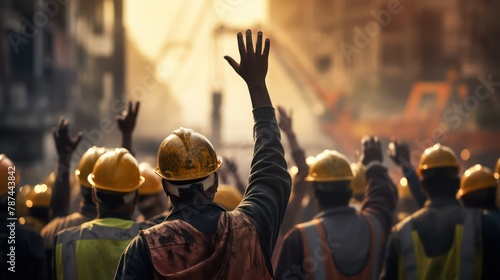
(348,231)
(264,201)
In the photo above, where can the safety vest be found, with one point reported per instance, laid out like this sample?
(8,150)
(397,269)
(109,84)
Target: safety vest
(314,239)
(179,251)
(93,250)
(462,261)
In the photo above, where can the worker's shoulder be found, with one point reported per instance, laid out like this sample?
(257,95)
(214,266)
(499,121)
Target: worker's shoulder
(408,221)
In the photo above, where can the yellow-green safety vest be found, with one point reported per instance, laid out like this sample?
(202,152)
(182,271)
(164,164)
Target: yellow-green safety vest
(93,250)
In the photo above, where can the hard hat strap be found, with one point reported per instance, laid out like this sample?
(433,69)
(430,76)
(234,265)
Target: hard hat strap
(204,184)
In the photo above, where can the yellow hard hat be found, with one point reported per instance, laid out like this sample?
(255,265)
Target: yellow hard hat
(116,171)
(21,197)
(497,170)
(228,197)
(8,174)
(404,189)
(330,166)
(476,178)
(86,164)
(39,196)
(152,182)
(437,156)
(359,181)
(186,155)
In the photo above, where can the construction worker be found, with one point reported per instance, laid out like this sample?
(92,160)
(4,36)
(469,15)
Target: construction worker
(151,195)
(37,201)
(87,210)
(478,189)
(443,239)
(92,250)
(340,243)
(21,249)
(199,239)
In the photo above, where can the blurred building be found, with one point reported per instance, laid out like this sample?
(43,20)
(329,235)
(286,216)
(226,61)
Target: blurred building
(410,69)
(36,73)
(374,51)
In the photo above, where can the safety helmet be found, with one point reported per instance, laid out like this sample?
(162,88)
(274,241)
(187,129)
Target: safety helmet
(359,181)
(7,174)
(21,197)
(228,196)
(39,196)
(186,155)
(116,171)
(152,182)
(476,178)
(330,166)
(87,163)
(497,170)
(404,189)
(437,156)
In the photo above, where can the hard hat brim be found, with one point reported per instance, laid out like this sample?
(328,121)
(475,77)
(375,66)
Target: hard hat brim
(111,189)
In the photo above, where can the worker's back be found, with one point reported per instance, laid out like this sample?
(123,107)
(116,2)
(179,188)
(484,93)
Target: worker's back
(444,239)
(233,252)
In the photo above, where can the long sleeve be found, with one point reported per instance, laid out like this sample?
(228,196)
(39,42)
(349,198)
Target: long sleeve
(414,185)
(380,197)
(269,187)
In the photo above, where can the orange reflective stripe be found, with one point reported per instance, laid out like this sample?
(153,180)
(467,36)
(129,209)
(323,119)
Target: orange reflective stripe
(329,263)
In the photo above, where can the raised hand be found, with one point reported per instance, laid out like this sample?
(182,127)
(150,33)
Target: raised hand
(65,145)
(126,121)
(371,150)
(399,152)
(253,67)
(285,120)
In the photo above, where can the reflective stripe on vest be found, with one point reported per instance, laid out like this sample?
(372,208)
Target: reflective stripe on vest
(314,238)
(73,246)
(470,249)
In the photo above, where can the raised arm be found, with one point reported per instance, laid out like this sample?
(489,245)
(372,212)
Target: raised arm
(269,186)
(65,147)
(381,194)
(400,155)
(126,124)
(300,185)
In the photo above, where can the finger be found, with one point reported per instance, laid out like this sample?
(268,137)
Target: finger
(137,106)
(78,138)
(241,45)
(60,123)
(54,133)
(232,62)
(130,106)
(281,110)
(267,46)
(249,42)
(375,139)
(258,46)
(364,140)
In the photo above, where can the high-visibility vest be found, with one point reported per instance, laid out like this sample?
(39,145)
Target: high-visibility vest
(462,261)
(179,251)
(314,240)
(93,250)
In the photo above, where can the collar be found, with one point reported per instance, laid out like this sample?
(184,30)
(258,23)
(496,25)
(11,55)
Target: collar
(341,210)
(438,202)
(193,209)
(88,210)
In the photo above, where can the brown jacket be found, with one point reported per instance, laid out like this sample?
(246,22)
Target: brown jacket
(179,251)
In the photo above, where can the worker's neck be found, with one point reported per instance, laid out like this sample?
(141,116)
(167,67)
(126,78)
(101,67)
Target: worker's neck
(105,213)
